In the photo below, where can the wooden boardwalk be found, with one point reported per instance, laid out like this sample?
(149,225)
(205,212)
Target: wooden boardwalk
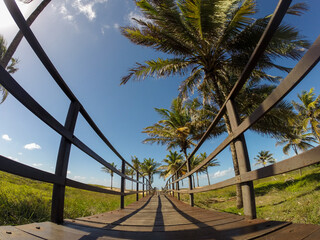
(162,217)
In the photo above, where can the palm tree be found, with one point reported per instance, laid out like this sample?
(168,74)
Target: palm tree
(298,140)
(195,161)
(309,111)
(11,68)
(212,163)
(107,170)
(173,161)
(129,171)
(264,157)
(211,41)
(149,167)
(179,126)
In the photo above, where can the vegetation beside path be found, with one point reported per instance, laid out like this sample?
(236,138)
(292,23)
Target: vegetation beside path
(25,201)
(286,197)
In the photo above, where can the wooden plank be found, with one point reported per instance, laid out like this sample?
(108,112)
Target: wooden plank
(293,232)
(23,170)
(13,233)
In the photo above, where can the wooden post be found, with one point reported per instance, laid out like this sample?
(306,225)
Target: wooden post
(172,186)
(143,187)
(123,184)
(177,186)
(249,204)
(58,192)
(191,199)
(137,195)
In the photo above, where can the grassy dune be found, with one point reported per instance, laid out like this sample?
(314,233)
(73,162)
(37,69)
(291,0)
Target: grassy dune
(25,201)
(287,197)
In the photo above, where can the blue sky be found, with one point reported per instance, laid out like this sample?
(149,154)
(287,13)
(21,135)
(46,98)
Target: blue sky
(82,39)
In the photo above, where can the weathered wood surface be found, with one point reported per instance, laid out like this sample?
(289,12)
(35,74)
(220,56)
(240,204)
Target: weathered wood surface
(162,217)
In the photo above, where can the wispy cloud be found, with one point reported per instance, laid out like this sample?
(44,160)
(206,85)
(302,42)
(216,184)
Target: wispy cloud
(6,137)
(222,173)
(136,14)
(37,164)
(32,146)
(70,9)
(20,153)
(116,26)
(79,178)
(68,172)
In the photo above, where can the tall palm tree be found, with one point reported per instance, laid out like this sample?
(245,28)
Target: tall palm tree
(213,163)
(11,68)
(173,161)
(309,111)
(179,126)
(107,170)
(211,41)
(149,167)
(264,157)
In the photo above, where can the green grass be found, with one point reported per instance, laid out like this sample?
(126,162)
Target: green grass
(25,201)
(286,197)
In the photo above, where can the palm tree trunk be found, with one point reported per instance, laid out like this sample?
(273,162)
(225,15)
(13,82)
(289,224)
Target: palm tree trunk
(197,179)
(111,180)
(296,152)
(219,98)
(17,39)
(208,176)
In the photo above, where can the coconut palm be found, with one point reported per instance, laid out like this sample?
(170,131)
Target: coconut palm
(129,171)
(211,41)
(110,171)
(309,111)
(173,161)
(149,167)
(11,68)
(264,157)
(195,161)
(213,163)
(298,141)
(179,126)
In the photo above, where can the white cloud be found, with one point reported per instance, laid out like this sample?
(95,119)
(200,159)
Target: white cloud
(32,146)
(37,164)
(20,153)
(136,14)
(222,173)
(79,178)
(86,9)
(6,137)
(116,26)
(12,158)
(68,172)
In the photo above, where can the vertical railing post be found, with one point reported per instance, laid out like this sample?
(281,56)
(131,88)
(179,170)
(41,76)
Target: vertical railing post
(191,199)
(137,195)
(173,186)
(123,184)
(143,187)
(177,186)
(249,204)
(58,192)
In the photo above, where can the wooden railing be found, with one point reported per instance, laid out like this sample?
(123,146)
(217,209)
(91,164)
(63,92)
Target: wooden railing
(304,66)
(59,179)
